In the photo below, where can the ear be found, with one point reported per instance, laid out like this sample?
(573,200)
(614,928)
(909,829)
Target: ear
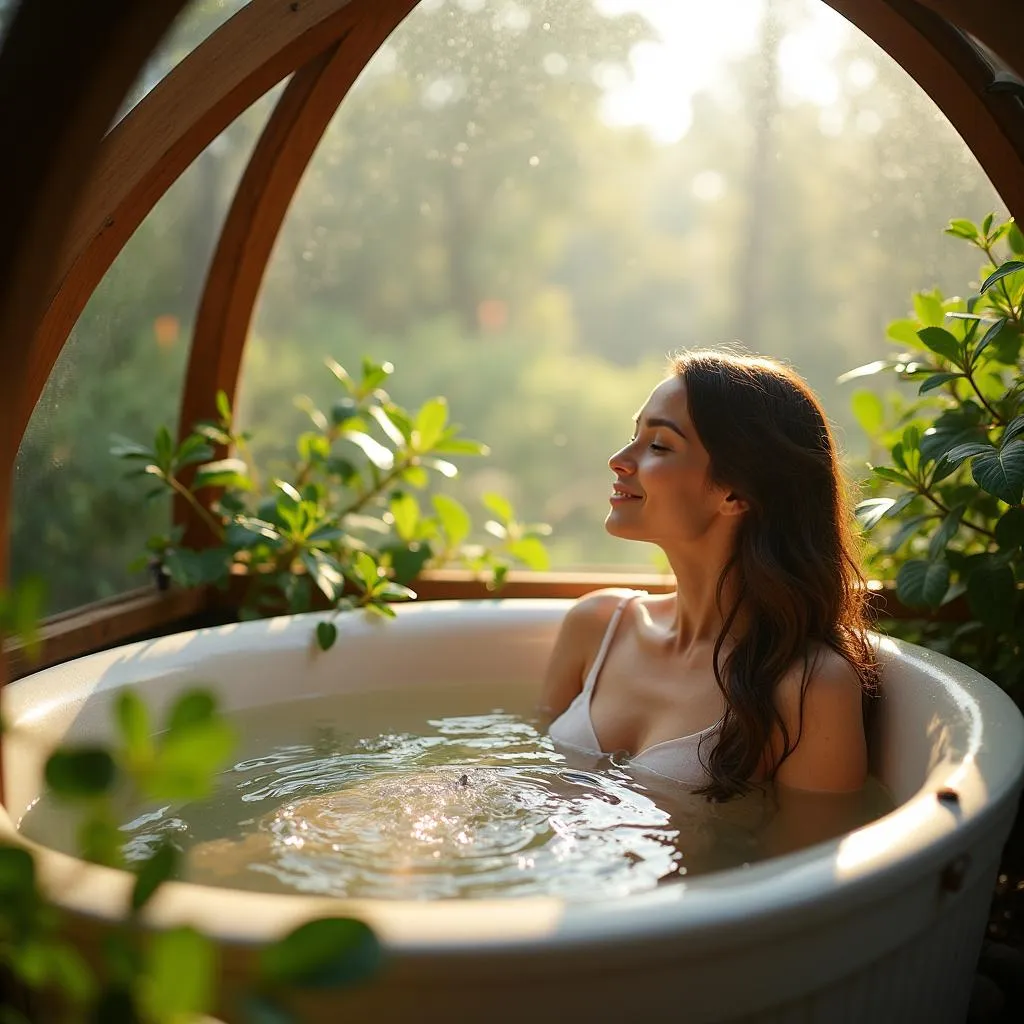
(733,505)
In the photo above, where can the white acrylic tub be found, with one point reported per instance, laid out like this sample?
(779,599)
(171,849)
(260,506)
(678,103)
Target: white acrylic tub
(882,925)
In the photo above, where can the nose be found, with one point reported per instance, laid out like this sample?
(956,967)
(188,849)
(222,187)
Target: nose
(622,461)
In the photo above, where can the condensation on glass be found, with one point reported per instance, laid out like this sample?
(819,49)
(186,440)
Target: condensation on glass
(77,522)
(198,20)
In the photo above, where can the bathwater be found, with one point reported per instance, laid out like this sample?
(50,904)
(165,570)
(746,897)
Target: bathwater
(455,794)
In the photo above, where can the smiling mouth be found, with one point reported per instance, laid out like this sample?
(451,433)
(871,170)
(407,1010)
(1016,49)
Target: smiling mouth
(620,495)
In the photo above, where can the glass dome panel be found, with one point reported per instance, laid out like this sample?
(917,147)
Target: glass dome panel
(526,205)
(77,522)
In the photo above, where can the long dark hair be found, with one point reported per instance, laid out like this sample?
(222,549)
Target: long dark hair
(795,564)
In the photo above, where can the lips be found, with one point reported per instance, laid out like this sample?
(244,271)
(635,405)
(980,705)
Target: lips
(620,493)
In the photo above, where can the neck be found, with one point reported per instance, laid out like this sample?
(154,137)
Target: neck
(698,616)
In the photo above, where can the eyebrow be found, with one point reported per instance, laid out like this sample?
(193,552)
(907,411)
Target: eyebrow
(660,421)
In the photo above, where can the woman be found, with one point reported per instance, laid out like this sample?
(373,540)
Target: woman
(755,669)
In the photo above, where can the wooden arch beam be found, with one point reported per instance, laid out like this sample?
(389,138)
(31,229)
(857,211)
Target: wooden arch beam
(999,24)
(153,145)
(64,71)
(956,77)
(265,192)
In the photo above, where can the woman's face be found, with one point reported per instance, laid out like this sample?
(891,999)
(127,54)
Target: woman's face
(662,492)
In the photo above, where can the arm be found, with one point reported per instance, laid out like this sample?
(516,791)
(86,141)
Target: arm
(819,788)
(575,646)
(830,755)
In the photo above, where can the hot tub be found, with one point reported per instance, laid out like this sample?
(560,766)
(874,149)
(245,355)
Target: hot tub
(883,924)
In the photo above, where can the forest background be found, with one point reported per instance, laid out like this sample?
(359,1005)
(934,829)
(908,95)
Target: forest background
(525,206)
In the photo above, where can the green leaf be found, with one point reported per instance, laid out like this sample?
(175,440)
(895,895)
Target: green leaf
(921,584)
(1015,239)
(192,450)
(343,410)
(408,560)
(326,573)
(374,374)
(928,308)
(100,840)
(366,570)
(967,451)
(1001,472)
(429,424)
(392,591)
(406,512)
(498,506)
(987,338)
(415,476)
(391,431)
(455,520)
(17,874)
(940,341)
(937,380)
(223,473)
(377,607)
(192,708)
(903,332)
(188,761)
(531,552)
(125,448)
(445,468)
(77,773)
(1010,267)
(134,725)
(1010,529)
(907,529)
(326,634)
(327,953)
(867,370)
(152,873)
(868,410)
(340,372)
(180,975)
(986,224)
(945,533)
(380,456)
(893,475)
(246,531)
(223,406)
(313,447)
(288,491)
(963,229)
(990,595)
(460,446)
(1013,428)
(164,448)
(871,510)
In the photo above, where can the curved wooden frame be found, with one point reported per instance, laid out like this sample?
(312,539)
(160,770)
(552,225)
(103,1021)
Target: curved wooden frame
(53,261)
(266,190)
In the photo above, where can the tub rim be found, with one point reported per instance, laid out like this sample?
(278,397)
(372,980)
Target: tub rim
(826,881)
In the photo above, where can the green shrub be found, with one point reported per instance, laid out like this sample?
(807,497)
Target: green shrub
(945,515)
(342,523)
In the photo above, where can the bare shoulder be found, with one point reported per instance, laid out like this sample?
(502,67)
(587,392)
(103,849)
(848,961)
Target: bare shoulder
(578,639)
(824,720)
(832,683)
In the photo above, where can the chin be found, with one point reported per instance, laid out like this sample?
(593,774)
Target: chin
(616,528)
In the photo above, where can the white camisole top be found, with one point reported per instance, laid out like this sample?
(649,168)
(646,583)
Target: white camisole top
(678,759)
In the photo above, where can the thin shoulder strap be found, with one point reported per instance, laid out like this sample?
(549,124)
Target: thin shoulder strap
(606,642)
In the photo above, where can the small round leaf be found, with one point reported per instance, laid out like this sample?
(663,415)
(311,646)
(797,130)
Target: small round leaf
(327,953)
(80,773)
(326,634)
